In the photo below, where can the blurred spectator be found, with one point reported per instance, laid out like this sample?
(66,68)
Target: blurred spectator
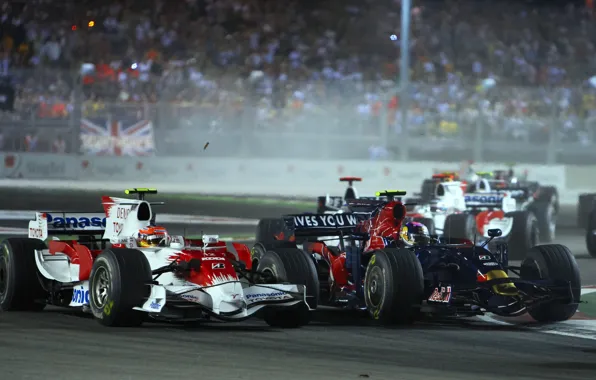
(293,61)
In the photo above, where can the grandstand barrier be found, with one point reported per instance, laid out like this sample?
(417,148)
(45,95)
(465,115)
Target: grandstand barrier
(300,178)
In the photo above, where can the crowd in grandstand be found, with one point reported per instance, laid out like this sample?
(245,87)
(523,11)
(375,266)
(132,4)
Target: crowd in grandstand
(507,60)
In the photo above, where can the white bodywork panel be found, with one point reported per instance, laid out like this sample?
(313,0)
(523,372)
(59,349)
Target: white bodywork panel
(448,201)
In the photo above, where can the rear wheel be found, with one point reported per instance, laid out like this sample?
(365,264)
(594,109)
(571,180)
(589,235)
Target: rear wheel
(546,219)
(20,289)
(554,262)
(524,234)
(393,286)
(119,281)
(429,223)
(585,204)
(591,234)
(293,266)
(460,226)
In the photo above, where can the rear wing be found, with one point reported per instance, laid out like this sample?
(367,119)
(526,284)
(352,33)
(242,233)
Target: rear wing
(66,223)
(323,224)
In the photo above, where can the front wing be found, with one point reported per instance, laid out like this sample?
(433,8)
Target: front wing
(224,301)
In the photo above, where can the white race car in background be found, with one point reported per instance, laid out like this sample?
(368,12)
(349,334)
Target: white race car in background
(454,213)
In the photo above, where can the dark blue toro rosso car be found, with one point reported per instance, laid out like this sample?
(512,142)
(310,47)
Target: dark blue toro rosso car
(361,261)
(465,279)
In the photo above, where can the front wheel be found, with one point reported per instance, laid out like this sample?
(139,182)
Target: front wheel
(119,281)
(554,262)
(393,286)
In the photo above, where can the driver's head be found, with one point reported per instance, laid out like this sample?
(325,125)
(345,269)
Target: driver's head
(415,233)
(152,236)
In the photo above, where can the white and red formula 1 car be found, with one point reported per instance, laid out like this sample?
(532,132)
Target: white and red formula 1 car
(107,273)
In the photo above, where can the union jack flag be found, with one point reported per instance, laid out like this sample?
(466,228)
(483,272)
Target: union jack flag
(101,137)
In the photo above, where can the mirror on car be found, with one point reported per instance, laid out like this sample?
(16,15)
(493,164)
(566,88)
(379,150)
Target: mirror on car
(495,232)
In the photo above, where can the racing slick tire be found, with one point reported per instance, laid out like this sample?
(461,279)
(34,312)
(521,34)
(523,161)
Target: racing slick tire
(293,266)
(427,190)
(428,222)
(459,226)
(585,205)
(591,234)
(271,230)
(119,281)
(553,262)
(20,288)
(524,234)
(549,194)
(546,216)
(393,286)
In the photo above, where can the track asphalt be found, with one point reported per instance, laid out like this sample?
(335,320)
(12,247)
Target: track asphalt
(58,344)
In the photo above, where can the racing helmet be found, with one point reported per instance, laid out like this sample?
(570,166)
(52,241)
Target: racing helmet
(415,233)
(153,236)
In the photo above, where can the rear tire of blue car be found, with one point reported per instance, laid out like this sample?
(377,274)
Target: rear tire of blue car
(119,281)
(20,288)
(293,266)
(394,286)
(553,262)
(591,234)
(524,234)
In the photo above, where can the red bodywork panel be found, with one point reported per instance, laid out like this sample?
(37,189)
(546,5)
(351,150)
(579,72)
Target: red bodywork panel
(484,217)
(386,224)
(217,253)
(78,254)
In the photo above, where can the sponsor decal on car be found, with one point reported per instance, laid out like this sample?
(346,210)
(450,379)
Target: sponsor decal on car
(273,296)
(74,221)
(484,198)
(441,295)
(80,297)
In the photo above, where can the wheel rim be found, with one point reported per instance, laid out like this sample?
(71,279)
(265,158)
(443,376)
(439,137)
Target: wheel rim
(375,288)
(3,272)
(101,287)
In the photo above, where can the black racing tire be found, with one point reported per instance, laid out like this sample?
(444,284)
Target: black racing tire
(429,223)
(524,234)
(549,194)
(411,203)
(591,234)
(585,205)
(394,286)
(260,248)
(546,219)
(460,226)
(293,266)
(427,190)
(125,275)
(20,287)
(553,262)
(269,228)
